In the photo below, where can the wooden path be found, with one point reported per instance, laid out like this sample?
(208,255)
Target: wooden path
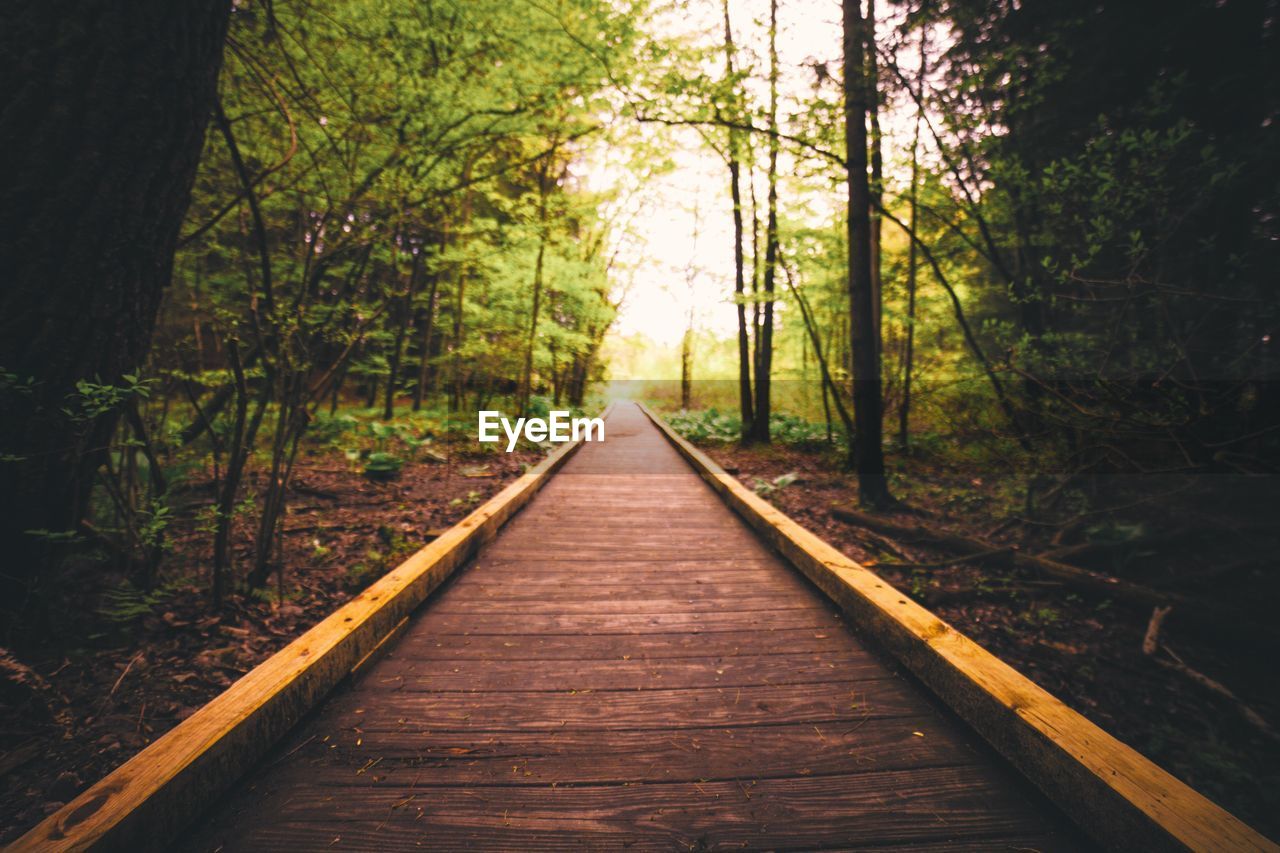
(628,667)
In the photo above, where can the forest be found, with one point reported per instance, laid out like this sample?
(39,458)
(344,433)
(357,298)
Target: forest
(975,291)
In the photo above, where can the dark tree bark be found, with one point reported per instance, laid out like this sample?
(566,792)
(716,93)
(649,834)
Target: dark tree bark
(457,388)
(686,366)
(403,321)
(531,340)
(425,377)
(745,405)
(877,172)
(764,338)
(102,121)
(867,453)
(908,355)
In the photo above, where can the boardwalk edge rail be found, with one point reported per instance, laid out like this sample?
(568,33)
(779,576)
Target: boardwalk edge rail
(1115,794)
(148,800)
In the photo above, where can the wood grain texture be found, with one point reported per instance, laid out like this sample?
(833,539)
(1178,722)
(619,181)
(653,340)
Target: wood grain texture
(1121,798)
(628,666)
(891,807)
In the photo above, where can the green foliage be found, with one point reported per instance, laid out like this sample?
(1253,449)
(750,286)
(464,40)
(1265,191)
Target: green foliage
(382,466)
(332,429)
(95,399)
(765,488)
(12,383)
(797,431)
(54,536)
(1042,617)
(712,425)
(706,426)
(152,523)
(124,603)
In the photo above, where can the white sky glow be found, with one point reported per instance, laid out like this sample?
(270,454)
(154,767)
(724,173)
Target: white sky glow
(663,268)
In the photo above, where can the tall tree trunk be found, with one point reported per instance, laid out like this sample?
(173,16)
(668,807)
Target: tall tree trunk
(745,405)
(403,321)
(531,341)
(867,453)
(764,340)
(908,355)
(757,263)
(102,122)
(244,433)
(686,366)
(428,326)
(877,173)
(459,295)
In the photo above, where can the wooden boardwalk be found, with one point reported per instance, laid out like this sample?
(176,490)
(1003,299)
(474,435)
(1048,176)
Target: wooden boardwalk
(628,667)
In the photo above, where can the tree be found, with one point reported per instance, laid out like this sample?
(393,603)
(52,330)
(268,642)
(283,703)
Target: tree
(745,403)
(867,455)
(908,353)
(101,128)
(877,170)
(764,330)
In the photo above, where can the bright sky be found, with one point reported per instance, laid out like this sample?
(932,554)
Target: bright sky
(677,253)
(675,238)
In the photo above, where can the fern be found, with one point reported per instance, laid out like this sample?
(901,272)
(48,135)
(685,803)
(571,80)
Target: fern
(125,603)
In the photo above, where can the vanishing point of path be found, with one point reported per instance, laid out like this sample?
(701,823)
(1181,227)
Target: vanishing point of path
(628,667)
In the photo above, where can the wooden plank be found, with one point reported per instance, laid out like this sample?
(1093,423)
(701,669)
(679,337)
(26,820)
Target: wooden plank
(826,702)
(424,647)
(479,676)
(576,757)
(1116,794)
(587,571)
(570,605)
(503,835)
(147,800)
(651,547)
(619,586)
(894,806)
(628,623)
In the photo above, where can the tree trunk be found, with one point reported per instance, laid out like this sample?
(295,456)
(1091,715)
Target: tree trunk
(459,295)
(425,378)
(531,342)
(243,434)
(686,366)
(877,173)
(102,122)
(745,405)
(764,339)
(403,321)
(908,355)
(867,453)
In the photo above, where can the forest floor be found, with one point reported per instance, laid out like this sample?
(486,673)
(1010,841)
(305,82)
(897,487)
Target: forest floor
(127,666)
(1086,650)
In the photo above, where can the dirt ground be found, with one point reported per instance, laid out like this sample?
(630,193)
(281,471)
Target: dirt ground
(1085,650)
(123,670)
